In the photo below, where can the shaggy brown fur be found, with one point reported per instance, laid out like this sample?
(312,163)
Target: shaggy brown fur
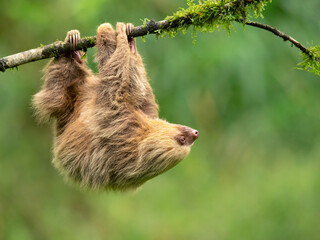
(108,134)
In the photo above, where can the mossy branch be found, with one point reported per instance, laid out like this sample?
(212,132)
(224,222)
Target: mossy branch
(207,15)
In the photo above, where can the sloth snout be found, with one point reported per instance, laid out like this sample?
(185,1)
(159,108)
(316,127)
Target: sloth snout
(195,134)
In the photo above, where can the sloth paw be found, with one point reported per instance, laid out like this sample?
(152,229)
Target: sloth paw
(73,37)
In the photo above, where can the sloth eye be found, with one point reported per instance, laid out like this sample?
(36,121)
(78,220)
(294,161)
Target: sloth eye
(182,139)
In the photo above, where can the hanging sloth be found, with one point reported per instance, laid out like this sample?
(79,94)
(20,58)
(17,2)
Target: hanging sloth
(107,131)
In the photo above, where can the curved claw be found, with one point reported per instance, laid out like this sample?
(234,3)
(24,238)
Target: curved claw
(131,41)
(129,28)
(77,39)
(73,42)
(73,37)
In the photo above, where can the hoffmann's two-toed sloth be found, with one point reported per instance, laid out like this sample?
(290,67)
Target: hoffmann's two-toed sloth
(108,134)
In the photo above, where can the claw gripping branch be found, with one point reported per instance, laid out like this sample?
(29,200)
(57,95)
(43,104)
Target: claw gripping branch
(207,15)
(169,25)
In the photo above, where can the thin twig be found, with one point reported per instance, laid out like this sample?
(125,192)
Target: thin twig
(282,35)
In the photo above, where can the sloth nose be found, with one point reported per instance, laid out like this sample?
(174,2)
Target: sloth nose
(195,134)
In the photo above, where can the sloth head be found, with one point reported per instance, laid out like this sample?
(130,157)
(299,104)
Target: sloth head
(163,147)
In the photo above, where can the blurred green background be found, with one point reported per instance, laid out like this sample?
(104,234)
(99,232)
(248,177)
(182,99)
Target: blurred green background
(252,174)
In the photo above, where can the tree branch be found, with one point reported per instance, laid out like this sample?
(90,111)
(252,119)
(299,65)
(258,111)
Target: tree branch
(282,35)
(59,48)
(205,16)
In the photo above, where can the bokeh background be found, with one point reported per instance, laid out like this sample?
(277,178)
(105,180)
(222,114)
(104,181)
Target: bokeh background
(252,174)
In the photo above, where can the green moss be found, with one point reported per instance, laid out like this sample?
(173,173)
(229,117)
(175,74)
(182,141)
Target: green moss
(145,22)
(311,63)
(15,69)
(92,41)
(209,15)
(84,56)
(55,53)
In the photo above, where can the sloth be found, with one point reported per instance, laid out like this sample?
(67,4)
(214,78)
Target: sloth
(108,135)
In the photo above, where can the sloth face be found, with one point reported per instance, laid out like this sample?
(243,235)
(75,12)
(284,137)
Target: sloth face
(187,136)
